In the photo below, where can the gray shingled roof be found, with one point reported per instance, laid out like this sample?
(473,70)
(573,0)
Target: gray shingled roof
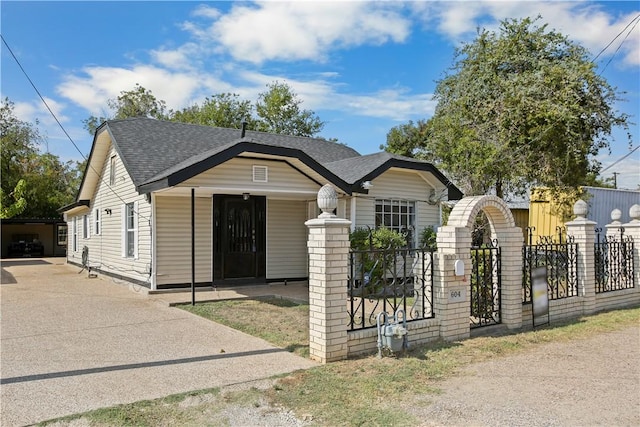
(154,151)
(149,147)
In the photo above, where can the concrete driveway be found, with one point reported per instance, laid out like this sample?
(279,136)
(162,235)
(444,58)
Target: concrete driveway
(70,343)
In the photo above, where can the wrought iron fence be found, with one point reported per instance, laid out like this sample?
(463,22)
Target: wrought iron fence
(385,280)
(559,254)
(485,285)
(614,262)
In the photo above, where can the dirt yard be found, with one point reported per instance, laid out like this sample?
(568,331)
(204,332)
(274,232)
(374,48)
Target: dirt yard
(594,381)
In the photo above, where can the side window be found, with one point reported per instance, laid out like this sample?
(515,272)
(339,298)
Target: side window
(85,226)
(96,221)
(74,233)
(130,230)
(61,231)
(112,170)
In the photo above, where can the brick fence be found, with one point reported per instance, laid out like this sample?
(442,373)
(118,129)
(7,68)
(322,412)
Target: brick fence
(328,247)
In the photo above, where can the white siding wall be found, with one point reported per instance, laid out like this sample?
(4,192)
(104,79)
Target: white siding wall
(173,239)
(105,249)
(286,239)
(395,184)
(237,175)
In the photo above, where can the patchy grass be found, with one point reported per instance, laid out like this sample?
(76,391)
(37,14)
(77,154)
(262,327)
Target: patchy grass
(191,408)
(364,391)
(282,322)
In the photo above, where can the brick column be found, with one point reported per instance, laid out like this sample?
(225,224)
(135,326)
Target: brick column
(328,247)
(451,292)
(511,240)
(584,234)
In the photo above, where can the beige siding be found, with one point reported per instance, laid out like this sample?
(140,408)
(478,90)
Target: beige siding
(236,175)
(173,239)
(105,249)
(286,239)
(395,184)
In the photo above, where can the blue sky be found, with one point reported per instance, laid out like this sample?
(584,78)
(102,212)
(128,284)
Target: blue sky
(362,67)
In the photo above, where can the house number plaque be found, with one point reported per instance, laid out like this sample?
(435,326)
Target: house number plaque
(457,295)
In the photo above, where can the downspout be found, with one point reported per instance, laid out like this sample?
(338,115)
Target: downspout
(193,246)
(352,213)
(154,248)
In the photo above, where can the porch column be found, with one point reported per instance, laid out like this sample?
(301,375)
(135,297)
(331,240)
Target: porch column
(583,232)
(328,247)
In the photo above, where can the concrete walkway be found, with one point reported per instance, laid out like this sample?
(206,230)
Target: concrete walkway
(70,344)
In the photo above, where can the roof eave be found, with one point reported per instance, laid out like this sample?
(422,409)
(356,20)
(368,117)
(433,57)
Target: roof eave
(242,146)
(76,204)
(453,192)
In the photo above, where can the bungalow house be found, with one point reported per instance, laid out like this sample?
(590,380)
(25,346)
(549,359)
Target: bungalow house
(251,193)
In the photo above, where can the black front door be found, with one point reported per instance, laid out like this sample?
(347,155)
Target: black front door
(239,231)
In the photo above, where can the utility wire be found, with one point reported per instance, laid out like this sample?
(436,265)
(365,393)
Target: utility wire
(636,19)
(616,37)
(62,127)
(620,159)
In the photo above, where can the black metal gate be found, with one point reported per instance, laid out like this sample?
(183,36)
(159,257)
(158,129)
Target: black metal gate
(485,285)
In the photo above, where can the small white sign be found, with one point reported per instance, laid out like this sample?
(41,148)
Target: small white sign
(457,295)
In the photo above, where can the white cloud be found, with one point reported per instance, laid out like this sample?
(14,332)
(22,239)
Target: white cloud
(36,112)
(98,84)
(324,94)
(292,31)
(591,26)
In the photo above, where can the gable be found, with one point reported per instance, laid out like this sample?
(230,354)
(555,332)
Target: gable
(275,177)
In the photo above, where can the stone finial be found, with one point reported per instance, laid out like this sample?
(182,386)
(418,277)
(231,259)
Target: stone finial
(327,201)
(634,213)
(580,209)
(616,214)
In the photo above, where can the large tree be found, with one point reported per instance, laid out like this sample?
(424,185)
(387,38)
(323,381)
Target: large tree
(34,184)
(279,111)
(519,107)
(138,102)
(18,143)
(221,110)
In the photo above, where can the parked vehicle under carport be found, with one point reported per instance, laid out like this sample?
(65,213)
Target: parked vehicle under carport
(26,245)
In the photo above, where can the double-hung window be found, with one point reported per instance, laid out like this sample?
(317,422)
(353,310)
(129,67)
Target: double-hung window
(96,221)
(62,234)
(397,215)
(112,170)
(85,226)
(130,230)
(74,233)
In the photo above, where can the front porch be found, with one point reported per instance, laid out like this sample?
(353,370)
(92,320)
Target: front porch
(295,291)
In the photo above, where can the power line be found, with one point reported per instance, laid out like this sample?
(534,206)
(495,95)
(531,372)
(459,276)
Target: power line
(636,19)
(620,159)
(41,97)
(62,127)
(616,37)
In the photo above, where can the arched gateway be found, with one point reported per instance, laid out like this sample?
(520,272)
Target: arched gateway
(455,238)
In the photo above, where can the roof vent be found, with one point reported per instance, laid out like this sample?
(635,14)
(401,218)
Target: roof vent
(244,128)
(260,173)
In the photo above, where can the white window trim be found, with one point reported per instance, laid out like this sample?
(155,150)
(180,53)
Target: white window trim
(407,214)
(97,226)
(85,226)
(125,230)
(112,170)
(74,235)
